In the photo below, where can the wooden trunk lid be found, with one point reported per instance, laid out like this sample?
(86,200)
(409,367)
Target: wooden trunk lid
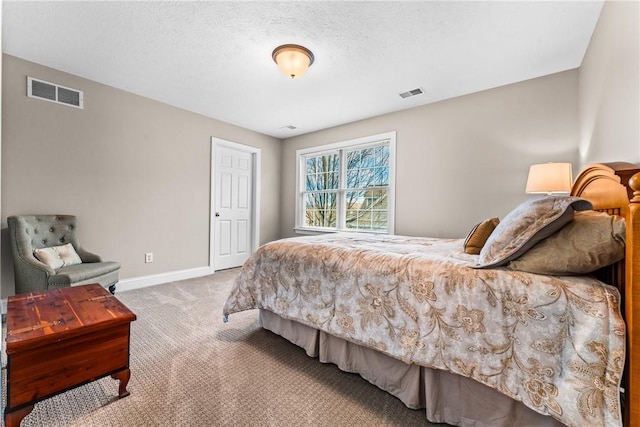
(38,318)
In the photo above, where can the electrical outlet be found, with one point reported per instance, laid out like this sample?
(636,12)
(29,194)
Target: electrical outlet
(148,257)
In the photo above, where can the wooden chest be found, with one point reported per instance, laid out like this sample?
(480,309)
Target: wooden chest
(60,339)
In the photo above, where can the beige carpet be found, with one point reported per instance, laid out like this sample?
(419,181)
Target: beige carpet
(188,368)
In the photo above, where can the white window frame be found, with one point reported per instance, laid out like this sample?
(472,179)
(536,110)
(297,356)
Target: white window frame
(342,147)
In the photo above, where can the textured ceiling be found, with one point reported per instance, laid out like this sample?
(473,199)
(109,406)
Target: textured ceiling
(214,58)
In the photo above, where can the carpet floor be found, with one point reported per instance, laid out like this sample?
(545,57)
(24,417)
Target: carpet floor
(188,368)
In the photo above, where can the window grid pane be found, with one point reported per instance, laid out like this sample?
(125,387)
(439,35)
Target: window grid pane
(368,167)
(320,209)
(322,172)
(366,210)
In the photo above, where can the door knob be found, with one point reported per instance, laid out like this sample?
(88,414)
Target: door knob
(217,213)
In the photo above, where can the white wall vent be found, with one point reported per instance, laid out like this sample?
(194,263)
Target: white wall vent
(54,93)
(413,92)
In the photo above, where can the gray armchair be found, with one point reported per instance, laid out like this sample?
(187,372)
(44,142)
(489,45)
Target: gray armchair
(29,232)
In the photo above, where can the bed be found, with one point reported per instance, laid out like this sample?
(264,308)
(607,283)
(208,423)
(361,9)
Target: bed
(473,339)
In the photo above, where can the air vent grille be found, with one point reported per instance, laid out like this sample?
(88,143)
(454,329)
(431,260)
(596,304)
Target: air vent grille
(54,93)
(43,90)
(412,92)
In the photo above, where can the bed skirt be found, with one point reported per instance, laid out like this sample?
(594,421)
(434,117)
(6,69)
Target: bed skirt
(445,397)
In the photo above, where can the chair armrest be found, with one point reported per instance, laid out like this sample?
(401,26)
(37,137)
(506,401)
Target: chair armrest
(33,262)
(87,256)
(31,275)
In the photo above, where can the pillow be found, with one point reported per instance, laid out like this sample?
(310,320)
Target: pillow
(58,256)
(526,225)
(591,241)
(478,235)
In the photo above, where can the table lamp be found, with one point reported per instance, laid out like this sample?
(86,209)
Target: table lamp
(549,178)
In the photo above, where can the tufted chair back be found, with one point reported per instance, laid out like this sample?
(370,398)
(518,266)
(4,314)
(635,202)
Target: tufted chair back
(41,231)
(29,232)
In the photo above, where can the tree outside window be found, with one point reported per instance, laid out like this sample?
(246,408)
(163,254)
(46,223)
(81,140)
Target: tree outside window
(347,188)
(322,183)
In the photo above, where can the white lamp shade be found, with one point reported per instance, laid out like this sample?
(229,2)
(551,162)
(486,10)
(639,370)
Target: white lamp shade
(549,178)
(293,60)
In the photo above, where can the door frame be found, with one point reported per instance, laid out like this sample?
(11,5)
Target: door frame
(255,196)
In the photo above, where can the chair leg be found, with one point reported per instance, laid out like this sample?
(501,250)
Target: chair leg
(112,289)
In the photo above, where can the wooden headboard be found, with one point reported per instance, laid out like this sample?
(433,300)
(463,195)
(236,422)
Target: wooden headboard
(615,188)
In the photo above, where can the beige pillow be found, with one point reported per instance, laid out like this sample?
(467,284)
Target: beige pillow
(591,241)
(478,235)
(58,256)
(526,225)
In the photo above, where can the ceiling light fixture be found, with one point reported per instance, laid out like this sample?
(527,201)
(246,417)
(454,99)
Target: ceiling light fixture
(293,60)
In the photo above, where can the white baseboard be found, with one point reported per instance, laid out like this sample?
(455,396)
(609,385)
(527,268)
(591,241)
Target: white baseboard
(144,281)
(157,279)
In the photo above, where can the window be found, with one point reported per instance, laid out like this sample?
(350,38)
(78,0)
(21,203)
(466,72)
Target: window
(347,186)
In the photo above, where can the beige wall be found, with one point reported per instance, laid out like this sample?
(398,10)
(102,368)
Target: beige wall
(463,160)
(135,171)
(609,88)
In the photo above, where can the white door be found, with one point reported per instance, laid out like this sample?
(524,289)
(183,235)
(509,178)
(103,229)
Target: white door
(233,208)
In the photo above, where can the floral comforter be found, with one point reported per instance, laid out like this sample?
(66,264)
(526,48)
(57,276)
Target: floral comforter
(555,343)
